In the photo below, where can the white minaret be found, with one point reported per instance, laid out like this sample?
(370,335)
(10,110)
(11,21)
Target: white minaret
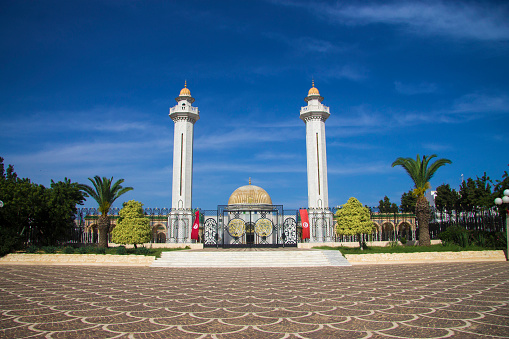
(314,115)
(184,115)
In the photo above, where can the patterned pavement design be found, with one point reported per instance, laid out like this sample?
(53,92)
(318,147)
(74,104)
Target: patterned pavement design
(440,300)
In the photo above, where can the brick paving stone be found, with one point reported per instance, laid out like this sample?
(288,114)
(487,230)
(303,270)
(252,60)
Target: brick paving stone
(441,300)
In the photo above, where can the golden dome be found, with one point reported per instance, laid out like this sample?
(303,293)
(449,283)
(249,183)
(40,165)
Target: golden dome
(185,92)
(250,195)
(313,90)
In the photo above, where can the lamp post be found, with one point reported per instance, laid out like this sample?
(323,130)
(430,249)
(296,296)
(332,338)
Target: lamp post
(500,201)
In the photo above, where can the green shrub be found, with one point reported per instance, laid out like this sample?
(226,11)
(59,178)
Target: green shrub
(121,250)
(100,250)
(403,240)
(9,241)
(142,251)
(463,239)
(32,249)
(82,250)
(455,235)
(68,250)
(49,249)
(393,244)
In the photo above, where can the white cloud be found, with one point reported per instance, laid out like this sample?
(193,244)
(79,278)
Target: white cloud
(241,137)
(307,44)
(271,155)
(58,121)
(248,167)
(481,103)
(463,20)
(359,168)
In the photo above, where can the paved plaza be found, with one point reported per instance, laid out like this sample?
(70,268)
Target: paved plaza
(441,300)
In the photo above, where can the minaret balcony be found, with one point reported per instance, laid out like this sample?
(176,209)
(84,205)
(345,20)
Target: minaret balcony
(187,109)
(314,108)
(314,112)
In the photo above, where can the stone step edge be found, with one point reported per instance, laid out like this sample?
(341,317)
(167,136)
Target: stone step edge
(76,259)
(423,257)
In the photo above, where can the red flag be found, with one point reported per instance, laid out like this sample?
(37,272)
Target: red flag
(196,227)
(304,219)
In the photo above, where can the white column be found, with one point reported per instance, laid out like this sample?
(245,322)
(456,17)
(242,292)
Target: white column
(314,116)
(182,183)
(184,115)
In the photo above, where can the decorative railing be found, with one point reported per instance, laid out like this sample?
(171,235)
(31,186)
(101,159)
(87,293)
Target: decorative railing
(315,108)
(391,226)
(190,109)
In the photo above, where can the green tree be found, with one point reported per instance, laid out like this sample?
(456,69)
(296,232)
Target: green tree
(353,219)
(421,173)
(132,225)
(498,189)
(62,200)
(385,206)
(408,201)
(476,194)
(104,193)
(446,200)
(34,214)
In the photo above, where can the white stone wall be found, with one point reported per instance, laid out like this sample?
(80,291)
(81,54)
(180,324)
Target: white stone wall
(318,195)
(182,184)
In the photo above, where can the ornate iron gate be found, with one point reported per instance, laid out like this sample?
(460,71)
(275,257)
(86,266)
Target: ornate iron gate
(252,226)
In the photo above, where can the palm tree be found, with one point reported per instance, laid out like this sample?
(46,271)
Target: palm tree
(105,194)
(420,173)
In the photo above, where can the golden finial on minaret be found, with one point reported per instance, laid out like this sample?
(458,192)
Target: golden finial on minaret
(185,91)
(249,180)
(313,90)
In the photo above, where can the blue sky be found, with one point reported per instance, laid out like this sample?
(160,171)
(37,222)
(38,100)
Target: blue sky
(86,87)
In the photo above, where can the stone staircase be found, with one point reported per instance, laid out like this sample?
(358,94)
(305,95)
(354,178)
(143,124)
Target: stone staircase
(250,258)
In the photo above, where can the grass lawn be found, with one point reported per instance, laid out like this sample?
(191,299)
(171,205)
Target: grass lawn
(403,249)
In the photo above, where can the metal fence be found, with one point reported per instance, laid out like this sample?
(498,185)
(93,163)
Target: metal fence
(322,225)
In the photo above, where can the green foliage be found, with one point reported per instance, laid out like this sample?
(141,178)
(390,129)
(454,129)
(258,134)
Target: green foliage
(393,244)
(408,202)
(447,199)
(353,219)
(498,189)
(82,250)
(132,225)
(104,193)
(9,241)
(385,206)
(121,250)
(142,251)
(49,249)
(100,250)
(45,216)
(474,194)
(68,250)
(454,235)
(403,249)
(403,240)
(419,171)
(32,249)
(461,237)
